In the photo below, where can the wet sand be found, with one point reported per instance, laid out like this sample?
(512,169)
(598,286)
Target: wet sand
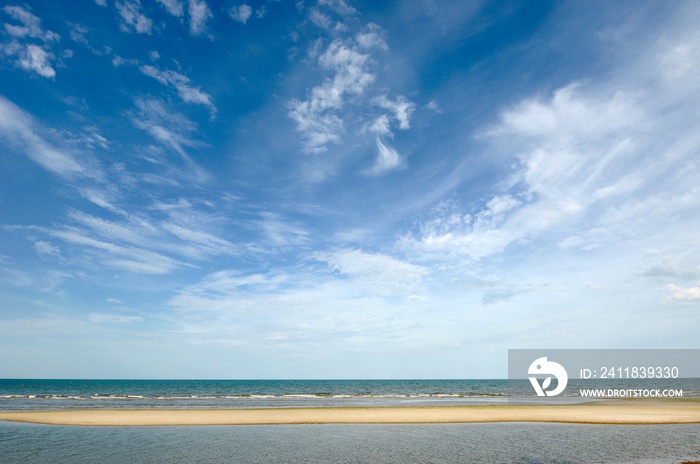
(614,412)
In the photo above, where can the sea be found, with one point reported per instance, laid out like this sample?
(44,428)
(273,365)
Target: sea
(522,443)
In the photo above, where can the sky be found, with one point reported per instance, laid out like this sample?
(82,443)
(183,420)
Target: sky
(344,189)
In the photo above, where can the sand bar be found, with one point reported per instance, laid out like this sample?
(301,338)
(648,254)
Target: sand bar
(622,412)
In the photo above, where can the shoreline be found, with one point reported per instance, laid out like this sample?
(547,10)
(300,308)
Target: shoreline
(622,412)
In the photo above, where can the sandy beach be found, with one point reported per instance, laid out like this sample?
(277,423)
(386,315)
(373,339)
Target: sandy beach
(618,412)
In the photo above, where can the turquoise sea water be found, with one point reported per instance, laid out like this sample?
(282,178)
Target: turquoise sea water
(17,394)
(61,394)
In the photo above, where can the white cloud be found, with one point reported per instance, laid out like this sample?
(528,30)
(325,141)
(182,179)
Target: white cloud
(181,231)
(381,126)
(684,295)
(100,197)
(585,160)
(174,7)
(18,129)
(101,2)
(669,268)
(573,112)
(317,129)
(593,176)
(171,129)
(371,38)
(128,258)
(352,74)
(120,61)
(138,242)
(182,83)
(280,232)
(316,117)
(132,18)
(320,20)
(358,303)
(78,33)
(382,274)
(200,14)
(387,159)
(35,58)
(342,98)
(241,13)
(401,107)
(452,234)
(354,235)
(30,56)
(338,6)
(499,205)
(45,248)
(31,25)
(206,244)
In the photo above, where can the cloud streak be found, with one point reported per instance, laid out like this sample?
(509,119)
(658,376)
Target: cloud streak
(19,130)
(185,90)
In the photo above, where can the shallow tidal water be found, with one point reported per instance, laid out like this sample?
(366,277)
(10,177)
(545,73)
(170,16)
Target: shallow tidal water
(522,443)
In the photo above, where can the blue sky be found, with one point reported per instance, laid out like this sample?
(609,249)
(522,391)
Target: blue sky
(337,189)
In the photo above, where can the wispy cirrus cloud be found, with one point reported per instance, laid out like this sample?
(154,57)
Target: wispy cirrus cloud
(171,129)
(356,297)
(594,172)
(174,235)
(387,159)
(585,162)
(281,232)
(23,133)
(185,90)
(116,256)
(380,274)
(168,127)
(112,318)
(144,241)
